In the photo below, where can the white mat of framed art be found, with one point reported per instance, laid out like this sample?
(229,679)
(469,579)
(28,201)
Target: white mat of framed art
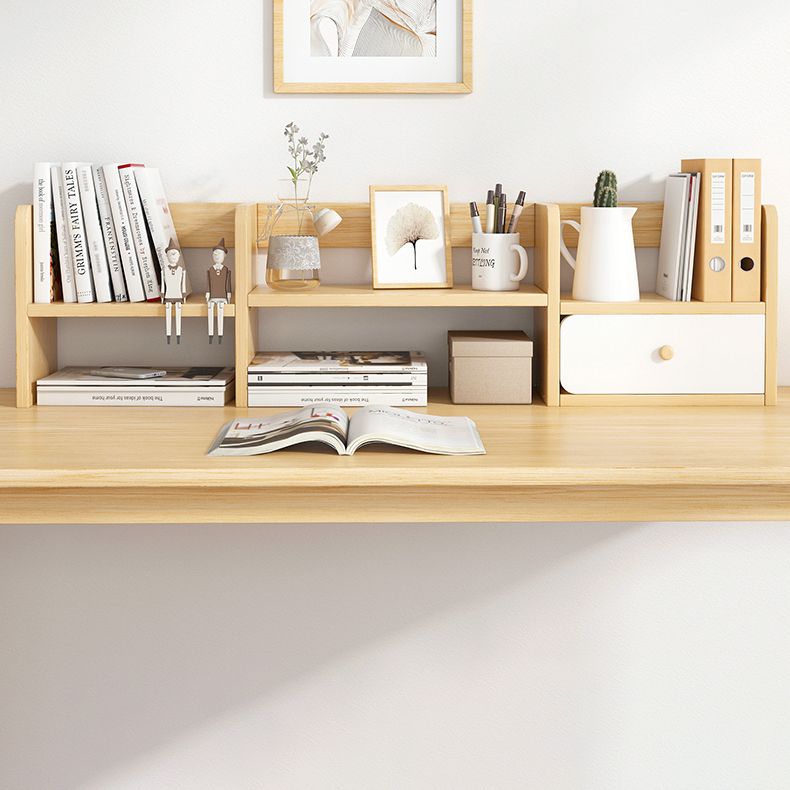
(298,70)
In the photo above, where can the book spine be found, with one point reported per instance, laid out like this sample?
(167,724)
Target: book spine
(338,379)
(62,234)
(157,211)
(139,233)
(43,265)
(93,234)
(261,397)
(123,234)
(83,277)
(109,397)
(108,231)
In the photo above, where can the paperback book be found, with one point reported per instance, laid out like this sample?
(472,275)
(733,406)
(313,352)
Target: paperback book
(330,425)
(195,386)
(46,275)
(83,276)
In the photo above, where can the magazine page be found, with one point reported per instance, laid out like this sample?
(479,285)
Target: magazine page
(424,432)
(250,436)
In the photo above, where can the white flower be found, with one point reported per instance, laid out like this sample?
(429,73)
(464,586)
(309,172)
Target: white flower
(408,225)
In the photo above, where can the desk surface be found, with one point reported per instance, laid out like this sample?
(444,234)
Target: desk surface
(148,465)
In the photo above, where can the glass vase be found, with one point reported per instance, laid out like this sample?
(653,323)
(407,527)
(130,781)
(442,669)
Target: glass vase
(293,262)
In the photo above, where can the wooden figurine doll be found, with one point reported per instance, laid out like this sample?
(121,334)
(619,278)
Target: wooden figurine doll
(174,286)
(219,290)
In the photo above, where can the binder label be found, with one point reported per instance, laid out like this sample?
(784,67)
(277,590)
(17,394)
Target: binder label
(718,207)
(747,208)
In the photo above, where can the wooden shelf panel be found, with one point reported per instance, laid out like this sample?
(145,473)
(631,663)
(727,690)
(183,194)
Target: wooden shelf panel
(653,304)
(365,296)
(118,310)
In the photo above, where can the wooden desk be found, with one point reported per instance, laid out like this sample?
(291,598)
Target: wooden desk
(141,465)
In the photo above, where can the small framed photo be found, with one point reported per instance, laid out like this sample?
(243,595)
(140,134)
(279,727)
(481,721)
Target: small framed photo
(410,229)
(359,46)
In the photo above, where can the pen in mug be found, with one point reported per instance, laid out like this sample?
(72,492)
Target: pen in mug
(517,210)
(497,196)
(500,214)
(476,226)
(490,212)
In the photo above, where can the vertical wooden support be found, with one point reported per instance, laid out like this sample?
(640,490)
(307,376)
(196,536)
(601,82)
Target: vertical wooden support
(246,317)
(770,287)
(36,338)
(547,320)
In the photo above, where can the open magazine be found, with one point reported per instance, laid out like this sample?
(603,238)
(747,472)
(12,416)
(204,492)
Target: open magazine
(331,425)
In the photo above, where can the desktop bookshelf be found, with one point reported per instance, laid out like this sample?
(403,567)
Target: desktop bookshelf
(199,225)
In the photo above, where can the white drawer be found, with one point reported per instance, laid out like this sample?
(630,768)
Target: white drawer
(622,354)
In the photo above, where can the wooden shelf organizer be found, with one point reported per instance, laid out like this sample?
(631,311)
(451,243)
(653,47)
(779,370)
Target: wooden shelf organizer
(201,224)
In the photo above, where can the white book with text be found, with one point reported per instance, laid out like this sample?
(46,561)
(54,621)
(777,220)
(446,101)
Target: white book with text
(83,276)
(110,240)
(123,234)
(63,237)
(157,211)
(43,215)
(134,209)
(94,235)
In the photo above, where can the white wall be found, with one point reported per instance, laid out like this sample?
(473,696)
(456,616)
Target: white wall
(376,657)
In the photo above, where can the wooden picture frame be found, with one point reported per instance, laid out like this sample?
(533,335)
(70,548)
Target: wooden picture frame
(376,228)
(462,85)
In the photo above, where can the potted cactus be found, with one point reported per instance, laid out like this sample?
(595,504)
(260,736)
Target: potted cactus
(605,264)
(605,190)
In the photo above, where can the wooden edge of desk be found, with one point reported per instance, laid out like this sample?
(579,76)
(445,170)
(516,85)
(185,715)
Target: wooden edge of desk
(380,505)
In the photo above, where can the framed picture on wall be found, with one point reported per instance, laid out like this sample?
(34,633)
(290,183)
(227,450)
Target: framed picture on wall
(372,46)
(410,228)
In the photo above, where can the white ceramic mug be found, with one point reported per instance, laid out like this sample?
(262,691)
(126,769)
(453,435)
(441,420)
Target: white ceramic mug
(499,262)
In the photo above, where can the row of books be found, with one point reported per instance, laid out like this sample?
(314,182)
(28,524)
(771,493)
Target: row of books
(355,378)
(99,232)
(711,233)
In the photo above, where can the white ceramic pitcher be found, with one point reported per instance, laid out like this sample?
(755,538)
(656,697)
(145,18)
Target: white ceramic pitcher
(605,263)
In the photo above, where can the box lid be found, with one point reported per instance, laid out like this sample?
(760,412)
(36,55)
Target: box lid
(489,344)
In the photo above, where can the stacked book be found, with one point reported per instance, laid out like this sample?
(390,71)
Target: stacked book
(349,378)
(80,386)
(678,237)
(99,232)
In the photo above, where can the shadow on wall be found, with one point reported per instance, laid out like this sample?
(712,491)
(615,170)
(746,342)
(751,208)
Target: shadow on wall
(119,639)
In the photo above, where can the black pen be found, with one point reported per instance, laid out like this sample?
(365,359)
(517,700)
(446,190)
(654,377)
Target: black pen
(517,209)
(501,212)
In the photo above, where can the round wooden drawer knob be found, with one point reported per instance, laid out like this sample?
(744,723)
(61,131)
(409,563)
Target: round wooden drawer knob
(666,353)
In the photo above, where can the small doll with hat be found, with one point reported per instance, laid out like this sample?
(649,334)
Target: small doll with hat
(174,289)
(219,289)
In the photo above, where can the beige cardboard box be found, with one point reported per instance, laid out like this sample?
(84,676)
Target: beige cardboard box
(490,367)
